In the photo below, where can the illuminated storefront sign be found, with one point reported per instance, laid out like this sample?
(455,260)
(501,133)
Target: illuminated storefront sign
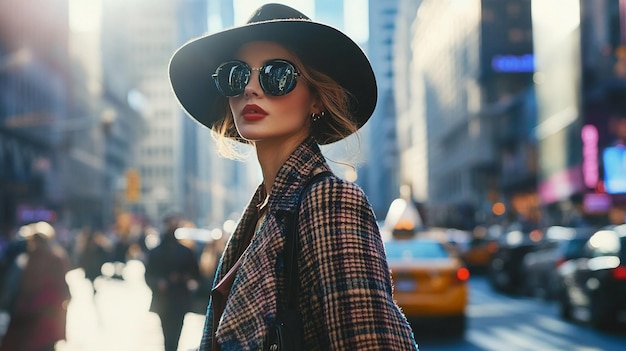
(28,214)
(614,161)
(561,185)
(596,203)
(513,63)
(589,135)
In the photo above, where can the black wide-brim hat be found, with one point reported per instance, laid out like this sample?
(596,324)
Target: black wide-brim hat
(317,45)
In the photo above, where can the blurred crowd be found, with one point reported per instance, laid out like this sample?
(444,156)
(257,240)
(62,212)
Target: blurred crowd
(180,262)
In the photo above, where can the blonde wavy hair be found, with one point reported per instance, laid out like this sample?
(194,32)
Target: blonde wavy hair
(337,123)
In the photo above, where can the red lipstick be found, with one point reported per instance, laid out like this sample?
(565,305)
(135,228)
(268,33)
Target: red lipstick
(253,113)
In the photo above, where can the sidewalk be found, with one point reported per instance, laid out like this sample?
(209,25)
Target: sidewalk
(117,317)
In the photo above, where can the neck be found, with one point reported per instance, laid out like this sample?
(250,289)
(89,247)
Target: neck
(272,155)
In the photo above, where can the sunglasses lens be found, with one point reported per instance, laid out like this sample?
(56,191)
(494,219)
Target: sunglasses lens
(232,77)
(278,77)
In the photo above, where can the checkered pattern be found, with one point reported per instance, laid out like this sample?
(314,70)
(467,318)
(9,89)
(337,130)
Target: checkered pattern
(345,287)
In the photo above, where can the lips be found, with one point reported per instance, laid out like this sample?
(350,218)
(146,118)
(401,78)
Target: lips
(253,113)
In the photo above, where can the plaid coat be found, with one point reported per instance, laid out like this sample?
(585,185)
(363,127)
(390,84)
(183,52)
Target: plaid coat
(345,286)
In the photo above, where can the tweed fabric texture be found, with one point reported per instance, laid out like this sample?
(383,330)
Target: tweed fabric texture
(345,286)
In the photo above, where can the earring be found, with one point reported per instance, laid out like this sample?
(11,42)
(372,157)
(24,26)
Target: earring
(317,116)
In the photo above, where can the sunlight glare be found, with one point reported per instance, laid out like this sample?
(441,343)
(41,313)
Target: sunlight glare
(85,15)
(356,19)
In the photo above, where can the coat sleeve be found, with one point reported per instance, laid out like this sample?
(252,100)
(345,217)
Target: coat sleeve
(347,298)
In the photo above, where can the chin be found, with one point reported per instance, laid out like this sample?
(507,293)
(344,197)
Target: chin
(252,137)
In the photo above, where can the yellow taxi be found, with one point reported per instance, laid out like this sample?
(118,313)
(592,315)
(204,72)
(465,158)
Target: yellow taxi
(430,283)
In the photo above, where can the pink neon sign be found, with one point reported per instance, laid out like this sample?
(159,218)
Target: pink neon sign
(589,135)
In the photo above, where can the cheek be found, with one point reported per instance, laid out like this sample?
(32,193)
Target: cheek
(292,118)
(233,105)
(297,111)
(303,102)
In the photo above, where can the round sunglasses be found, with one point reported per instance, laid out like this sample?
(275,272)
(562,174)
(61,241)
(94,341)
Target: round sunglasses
(277,77)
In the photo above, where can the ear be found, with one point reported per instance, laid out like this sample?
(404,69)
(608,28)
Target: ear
(316,106)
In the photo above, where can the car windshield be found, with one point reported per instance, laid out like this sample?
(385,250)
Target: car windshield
(415,249)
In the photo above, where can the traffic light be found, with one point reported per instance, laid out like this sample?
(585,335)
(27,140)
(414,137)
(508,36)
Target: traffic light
(133,185)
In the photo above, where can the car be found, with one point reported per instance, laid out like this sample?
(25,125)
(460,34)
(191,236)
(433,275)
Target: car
(480,247)
(479,252)
(430,283)
(505,272)
(594,285)
(540,266)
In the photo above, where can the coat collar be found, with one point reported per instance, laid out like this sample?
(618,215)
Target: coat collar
(252,302)
(306,160)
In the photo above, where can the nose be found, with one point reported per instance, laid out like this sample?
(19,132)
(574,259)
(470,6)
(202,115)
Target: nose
(253,88)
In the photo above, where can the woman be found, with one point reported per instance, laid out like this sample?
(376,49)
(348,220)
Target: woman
(39,311)
(285,84)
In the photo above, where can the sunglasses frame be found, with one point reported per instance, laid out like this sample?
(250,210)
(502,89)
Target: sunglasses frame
(261,69)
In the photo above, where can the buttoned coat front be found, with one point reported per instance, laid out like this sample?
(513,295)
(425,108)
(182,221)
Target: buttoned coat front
(345,292)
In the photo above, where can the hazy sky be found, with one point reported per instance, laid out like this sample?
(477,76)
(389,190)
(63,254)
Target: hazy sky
(355,14)
(83,14)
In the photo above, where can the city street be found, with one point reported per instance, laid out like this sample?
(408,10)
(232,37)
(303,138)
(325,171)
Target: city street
(118,319)
(501,322)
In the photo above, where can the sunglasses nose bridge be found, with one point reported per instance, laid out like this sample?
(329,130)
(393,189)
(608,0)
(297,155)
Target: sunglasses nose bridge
(254,82)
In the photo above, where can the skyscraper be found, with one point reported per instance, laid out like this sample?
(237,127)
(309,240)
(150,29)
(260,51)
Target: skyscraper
(379,176)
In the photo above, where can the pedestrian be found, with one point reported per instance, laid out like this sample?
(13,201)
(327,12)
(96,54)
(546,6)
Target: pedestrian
(286,85)
(39,309)
(10,275)
(92,251)
(172,273)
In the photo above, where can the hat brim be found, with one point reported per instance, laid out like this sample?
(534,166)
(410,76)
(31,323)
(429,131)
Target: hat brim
(317,45)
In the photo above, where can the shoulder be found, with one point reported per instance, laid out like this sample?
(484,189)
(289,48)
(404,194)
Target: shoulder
(183,249)
(335,190)
(338,204)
